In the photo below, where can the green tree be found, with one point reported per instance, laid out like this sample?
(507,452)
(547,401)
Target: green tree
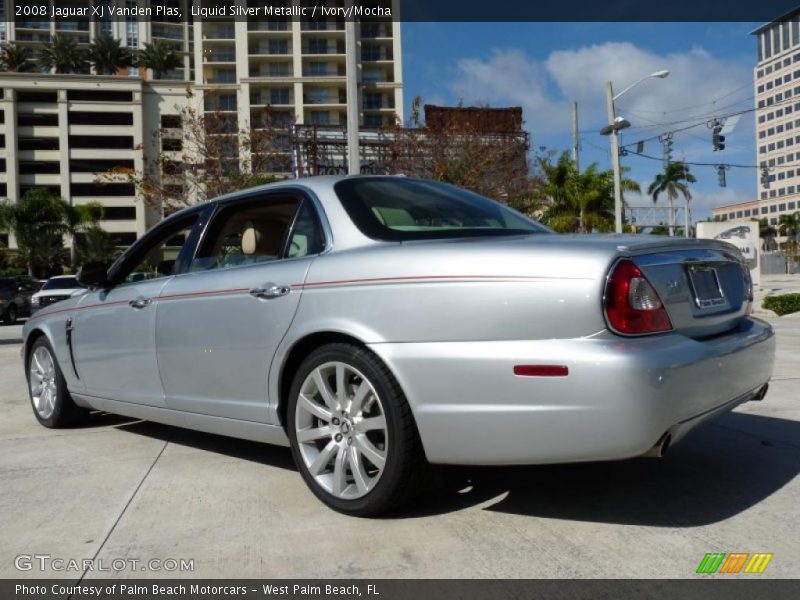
(14,58)
(108,55)
(95,244)
(789,226)
(767,233)
(579,201)
(160,56)
(63,55)
(673,181)
(40,222)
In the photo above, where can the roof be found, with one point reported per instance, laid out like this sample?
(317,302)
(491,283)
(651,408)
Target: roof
(784,17)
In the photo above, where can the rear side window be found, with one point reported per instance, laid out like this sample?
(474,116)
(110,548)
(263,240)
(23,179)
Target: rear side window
(245,233)
(399,209)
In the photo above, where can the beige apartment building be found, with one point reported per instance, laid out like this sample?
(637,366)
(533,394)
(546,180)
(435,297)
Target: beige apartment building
(62,131)
(777,98)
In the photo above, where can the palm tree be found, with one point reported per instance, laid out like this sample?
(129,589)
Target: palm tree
(673,180)
(63,55)
(789,226)
(95,244)
(108,55)
(767,234)
(14,58)
(78,218)
(160,56)
(579,201)
(40,222)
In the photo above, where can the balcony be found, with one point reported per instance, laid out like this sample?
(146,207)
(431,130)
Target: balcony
(219,33)
(272,98)
(378,104)
(336,25)
(375,54)
(329,71)
(268,26)
(220,57)
(374,30)
(325,98)
(323,47)
(272,49)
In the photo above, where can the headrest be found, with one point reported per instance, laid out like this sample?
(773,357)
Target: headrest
(251,239)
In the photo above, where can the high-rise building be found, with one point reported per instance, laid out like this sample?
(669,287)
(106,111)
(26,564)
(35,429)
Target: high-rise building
(61,131)
(777,98)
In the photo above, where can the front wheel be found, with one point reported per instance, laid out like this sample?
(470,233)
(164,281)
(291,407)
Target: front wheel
(352,432)
(51,402)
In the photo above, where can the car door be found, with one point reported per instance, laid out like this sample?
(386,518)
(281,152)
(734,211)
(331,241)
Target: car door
(113,330)
(219,325)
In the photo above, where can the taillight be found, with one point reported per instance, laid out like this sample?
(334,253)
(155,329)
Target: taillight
(632,305)
(748,289)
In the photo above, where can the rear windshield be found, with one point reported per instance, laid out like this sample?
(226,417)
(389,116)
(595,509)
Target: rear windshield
(62,283)
(398,209)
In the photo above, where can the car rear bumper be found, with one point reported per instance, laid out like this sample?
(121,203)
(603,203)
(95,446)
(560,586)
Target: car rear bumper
(621,396)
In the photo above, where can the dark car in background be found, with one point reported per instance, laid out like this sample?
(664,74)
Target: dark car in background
(15,297)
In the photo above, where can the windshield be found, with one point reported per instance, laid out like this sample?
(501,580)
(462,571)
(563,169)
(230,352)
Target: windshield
(399,209)
(62,283)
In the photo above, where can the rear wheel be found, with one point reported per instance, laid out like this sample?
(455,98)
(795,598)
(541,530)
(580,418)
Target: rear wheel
(11,314)
(353,436)
(51,402)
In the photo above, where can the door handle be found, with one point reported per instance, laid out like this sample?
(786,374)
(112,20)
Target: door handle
(140,302)
(270,290)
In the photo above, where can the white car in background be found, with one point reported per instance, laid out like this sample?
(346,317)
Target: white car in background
(54,290)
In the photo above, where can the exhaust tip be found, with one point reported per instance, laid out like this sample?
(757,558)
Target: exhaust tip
(660,448)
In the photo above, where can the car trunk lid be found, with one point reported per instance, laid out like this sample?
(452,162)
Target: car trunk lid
(705,290)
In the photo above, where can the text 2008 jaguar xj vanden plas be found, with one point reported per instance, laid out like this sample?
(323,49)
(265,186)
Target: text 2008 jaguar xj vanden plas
(380,324)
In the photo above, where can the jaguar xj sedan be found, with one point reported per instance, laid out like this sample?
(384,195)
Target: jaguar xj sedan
(378,325)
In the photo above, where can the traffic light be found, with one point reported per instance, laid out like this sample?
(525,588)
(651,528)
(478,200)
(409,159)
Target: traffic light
(721,175)
(666,140)
(717,139)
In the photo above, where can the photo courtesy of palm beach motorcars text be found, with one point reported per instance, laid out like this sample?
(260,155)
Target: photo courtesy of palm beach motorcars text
(399,299)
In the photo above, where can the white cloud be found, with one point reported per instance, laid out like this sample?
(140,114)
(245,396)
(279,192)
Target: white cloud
(509,77)
(545,88)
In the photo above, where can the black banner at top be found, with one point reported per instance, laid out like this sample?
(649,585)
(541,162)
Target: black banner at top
(25,12)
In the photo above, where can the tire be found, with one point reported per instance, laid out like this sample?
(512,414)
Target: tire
(52,405)
(361,456)
(11,314)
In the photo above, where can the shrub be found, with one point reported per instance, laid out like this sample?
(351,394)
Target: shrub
(783,304)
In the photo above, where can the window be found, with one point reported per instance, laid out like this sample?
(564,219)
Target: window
(171,122)
(102,190)
(171,144)
(33,119)
(37,143)
(101,141)
(119,213)
(396,209)
(100,118)
(156,255)
(99,96)
(98,165)
(246,233)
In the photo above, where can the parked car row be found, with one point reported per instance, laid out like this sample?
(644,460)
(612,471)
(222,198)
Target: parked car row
(22,295)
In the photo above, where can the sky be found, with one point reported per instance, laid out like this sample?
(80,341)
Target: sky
(544,67)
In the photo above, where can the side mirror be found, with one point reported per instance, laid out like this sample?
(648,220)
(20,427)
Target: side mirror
(93,275)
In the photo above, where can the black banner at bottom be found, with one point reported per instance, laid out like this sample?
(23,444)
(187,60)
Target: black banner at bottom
(395,589)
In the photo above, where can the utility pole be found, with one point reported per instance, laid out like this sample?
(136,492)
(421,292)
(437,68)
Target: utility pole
(351,86)
(576,158)
(614,141)
(687,216)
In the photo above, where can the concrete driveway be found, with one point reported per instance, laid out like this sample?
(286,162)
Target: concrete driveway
(120,489)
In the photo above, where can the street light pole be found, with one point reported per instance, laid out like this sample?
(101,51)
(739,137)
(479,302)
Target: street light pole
(614,141)
(613,132)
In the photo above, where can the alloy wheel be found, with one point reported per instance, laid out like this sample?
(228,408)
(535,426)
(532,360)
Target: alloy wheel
(341,430)
(42,382)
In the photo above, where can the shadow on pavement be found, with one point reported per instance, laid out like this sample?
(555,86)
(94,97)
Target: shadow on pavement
(10,342)
(265,454)
(716,472)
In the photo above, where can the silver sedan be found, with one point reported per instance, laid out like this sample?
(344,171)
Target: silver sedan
(378,325)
